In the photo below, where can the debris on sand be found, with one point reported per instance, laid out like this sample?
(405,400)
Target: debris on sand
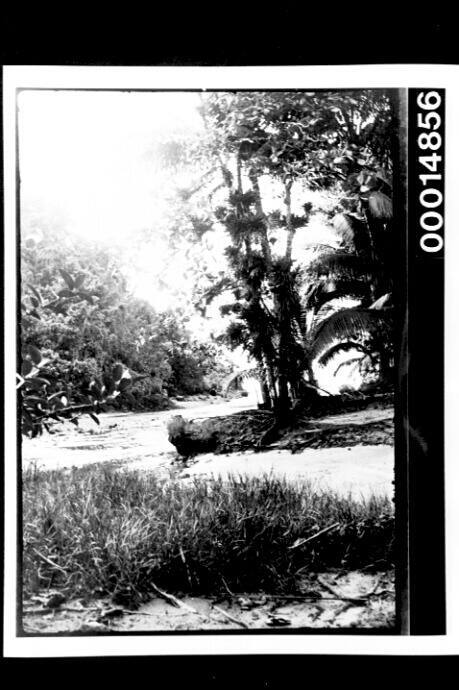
(190,438)
(340,599)
(252,430)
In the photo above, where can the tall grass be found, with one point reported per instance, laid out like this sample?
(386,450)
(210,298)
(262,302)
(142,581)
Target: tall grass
(95,529)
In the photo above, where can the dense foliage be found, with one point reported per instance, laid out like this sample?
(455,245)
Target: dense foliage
(86,339)
(289,313)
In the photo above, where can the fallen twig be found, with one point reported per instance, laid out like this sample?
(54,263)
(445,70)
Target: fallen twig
(173,600)
(338,595)
(231,618)
(177,602)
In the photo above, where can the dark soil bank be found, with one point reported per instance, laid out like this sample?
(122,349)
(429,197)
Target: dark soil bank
(314,428)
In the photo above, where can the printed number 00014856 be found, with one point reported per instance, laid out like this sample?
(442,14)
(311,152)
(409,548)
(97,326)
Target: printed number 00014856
(430,198)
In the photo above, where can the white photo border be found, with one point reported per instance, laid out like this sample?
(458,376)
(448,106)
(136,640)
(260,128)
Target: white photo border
(222,78)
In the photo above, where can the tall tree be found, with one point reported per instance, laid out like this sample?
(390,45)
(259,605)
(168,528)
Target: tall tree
(338,141)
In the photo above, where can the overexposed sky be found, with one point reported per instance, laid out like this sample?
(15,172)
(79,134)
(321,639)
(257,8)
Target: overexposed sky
(90,155)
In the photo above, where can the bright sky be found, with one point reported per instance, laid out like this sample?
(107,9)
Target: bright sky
(86,154)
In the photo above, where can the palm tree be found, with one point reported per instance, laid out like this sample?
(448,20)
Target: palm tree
(359,270)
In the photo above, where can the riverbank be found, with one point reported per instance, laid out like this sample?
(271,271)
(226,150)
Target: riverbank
(348,489)
(104,544)
(354,455)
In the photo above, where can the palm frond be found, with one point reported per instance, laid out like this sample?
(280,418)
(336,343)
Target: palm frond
(328,290)
(341,265)
(349,324)
(352,231)
(382,302)
(346,346)
(238,376)
(319,247)
(380,206)
(352,362)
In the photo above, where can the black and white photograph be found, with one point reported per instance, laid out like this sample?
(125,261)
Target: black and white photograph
(214,360)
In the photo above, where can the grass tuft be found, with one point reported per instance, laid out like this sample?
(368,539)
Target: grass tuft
(95,530)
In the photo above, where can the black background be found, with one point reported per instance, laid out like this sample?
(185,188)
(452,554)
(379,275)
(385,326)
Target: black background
(284,34)
(425,386)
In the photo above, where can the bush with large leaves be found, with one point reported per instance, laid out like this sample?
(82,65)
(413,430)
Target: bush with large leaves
(53,389)
(87,342)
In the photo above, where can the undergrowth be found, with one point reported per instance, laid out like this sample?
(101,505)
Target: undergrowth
(99,531)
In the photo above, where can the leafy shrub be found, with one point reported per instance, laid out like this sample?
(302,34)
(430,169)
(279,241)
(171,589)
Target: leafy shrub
(79,321)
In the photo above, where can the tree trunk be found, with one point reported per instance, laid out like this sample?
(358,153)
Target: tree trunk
(310,371)
(290,228)
(283,402)
(265,248)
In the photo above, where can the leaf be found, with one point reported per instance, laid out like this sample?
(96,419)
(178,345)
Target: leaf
(339,265)
(352,363)
(381,302)
(35,292)
(34,353)
(27,427)
(79,280)
(94,418)
(34,301)
(352,230)
(56,395)
(110,386)
(68,278)
(59,308)
(36,382)
(65,293)
(35,399)
(380,206)
(87,296)
(347,346)
(349,324)
(328,290)
(118,372)
(26,367)
(124,384)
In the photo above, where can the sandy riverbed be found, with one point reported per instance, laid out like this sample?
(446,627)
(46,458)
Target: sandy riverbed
(353,599)
(138,441)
